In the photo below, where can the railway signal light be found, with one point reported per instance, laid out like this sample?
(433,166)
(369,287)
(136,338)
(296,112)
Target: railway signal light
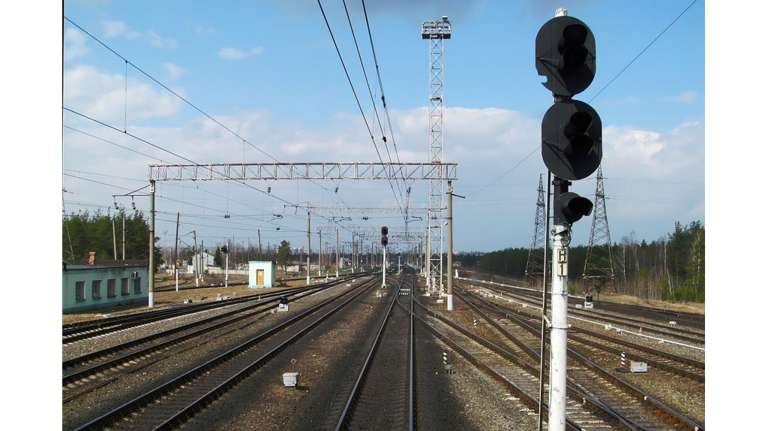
(384,230)
(570,208)
(571,139)
(224,249)
(566,55)
(384,241)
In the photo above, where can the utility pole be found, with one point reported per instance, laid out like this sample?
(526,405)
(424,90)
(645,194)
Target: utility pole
(259,231)
(450,244)
(226,265)
(123,235)
(194,259)
(151,281)
(337,253)
(114,238)
(176,263)
(309,243)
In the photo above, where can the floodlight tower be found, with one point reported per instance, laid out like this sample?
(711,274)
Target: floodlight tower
(435,32)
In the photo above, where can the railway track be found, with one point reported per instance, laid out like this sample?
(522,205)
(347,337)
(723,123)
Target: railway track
(631,405)
(369,358)
(174,402)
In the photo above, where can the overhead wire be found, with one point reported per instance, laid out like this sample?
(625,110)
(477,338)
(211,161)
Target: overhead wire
(606,85)
(354,92)
(370,92)
(383,99)
(178,96)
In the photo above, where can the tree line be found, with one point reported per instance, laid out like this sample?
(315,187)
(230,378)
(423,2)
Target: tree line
(107,236)
(669,268)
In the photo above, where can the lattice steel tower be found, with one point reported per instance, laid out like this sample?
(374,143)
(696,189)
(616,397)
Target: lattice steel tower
(534,269)
(598,267)
(436,32)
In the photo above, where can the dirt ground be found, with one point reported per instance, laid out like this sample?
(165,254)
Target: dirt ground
(164,299)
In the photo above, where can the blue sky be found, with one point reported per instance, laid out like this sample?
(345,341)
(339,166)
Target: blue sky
(269,72)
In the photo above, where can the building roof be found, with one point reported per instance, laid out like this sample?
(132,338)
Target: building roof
(102,264)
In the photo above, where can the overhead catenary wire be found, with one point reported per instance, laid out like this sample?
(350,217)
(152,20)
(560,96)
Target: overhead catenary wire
(354,92)
(124,131)
(606,85)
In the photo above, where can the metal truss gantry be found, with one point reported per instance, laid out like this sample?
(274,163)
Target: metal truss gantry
(434,171)
(534,269)
(435,32)
(598,267)
(371,210)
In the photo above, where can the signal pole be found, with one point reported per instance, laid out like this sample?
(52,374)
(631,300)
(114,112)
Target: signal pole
(384,242)
(571,147)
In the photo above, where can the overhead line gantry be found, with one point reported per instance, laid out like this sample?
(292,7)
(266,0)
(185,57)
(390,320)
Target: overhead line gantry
(435,171)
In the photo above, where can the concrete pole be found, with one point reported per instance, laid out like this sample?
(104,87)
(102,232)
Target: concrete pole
(151,281)
(123,235)
(561,236)
(450,247)
(426,261)
(114,238)
(384,268)
(226,266)
(337,253)
(176,262)
(309,242)
(195,261)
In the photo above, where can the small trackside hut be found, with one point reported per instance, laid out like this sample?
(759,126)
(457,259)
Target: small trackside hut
(261,274)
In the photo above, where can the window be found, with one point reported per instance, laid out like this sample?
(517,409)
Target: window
(111,291)
(137,285)
(96,289)
(80,291)
(124,287)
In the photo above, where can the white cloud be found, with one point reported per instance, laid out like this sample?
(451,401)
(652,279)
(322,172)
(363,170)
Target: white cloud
(117,29)
(203,29)
(104,97)
(159,41)
(114,29)
(174,71)
(74,44)
(687,97)
(236,54)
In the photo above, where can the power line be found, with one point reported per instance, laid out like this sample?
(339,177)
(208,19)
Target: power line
(606,85)
(172,92)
